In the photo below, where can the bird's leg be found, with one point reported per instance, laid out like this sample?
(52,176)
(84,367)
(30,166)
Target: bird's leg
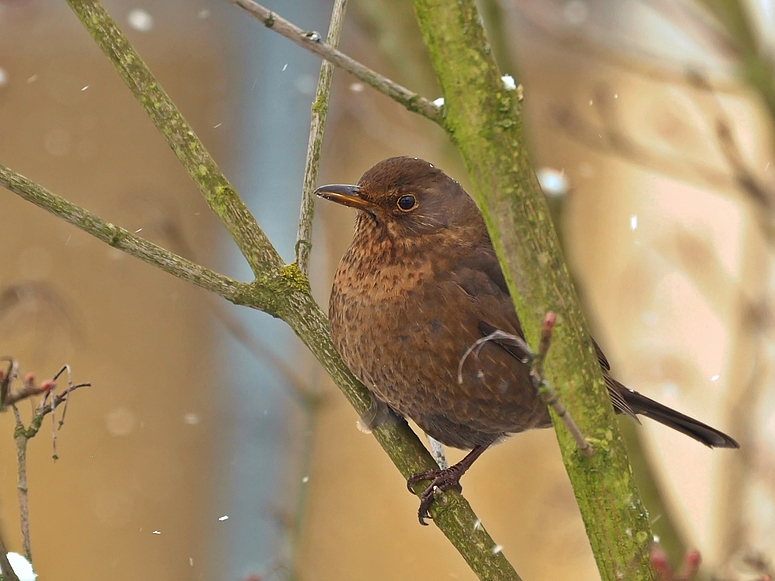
(442,479)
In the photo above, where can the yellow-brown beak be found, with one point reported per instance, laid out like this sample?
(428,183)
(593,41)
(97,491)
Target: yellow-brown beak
(346,195)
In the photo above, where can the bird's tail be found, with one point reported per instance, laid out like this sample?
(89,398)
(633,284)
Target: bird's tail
(644,406)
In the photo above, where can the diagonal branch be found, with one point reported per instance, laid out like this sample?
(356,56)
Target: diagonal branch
(216,189)
(310,41)
(317,127)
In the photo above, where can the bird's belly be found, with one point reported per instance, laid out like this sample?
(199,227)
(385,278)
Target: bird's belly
(408,349)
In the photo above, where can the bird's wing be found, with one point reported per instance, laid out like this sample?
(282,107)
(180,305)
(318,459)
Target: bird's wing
(479,274)
(482,277)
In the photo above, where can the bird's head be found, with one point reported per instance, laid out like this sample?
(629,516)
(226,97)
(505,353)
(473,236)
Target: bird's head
(406,197)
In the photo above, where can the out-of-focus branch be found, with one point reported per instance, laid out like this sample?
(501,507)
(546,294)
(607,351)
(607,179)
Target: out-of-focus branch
(310,40)
(610,139)
(317,126)
(590,43)
(756,66)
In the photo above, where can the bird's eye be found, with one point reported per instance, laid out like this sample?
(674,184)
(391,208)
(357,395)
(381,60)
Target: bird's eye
(406,203)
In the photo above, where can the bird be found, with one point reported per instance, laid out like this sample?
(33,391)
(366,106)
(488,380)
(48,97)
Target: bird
(420,284)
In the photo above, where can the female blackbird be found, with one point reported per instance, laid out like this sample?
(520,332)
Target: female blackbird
(418,286)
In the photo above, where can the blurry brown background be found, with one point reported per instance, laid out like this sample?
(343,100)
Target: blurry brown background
(186,425)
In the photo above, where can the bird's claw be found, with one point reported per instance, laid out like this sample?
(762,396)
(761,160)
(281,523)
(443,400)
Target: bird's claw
(441,480)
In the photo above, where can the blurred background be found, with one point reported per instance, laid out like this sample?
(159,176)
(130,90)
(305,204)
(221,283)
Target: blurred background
(212,446)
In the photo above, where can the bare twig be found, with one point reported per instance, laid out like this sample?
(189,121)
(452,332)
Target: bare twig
(548,395)
(317,127)
(23,434)
(311,41)
(21,440)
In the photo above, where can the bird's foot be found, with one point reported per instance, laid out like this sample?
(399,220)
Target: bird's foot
(441,480)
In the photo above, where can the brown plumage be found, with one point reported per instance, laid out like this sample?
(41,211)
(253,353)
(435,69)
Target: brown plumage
(418,286)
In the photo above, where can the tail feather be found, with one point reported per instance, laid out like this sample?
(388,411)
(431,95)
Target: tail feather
(671,418)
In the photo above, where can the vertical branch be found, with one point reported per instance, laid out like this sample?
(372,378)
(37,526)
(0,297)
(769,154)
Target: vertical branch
(484,120)
(316,129)
(21,439)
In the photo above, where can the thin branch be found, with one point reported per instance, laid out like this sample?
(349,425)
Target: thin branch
(546,391)
(22,435)
(216,189)
(310,41)
(21,440)
(119,238)
(317,127)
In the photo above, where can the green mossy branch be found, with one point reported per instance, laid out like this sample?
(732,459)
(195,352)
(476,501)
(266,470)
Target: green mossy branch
(484,119)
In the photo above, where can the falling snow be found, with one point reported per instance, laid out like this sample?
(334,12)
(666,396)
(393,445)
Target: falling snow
(140,20)
(553,182)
